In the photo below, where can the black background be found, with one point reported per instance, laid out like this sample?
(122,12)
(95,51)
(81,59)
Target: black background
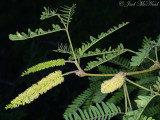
(91,18)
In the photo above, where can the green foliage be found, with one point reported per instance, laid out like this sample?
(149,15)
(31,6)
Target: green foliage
(66,14)
(144,52)
(157,43)
(119,95)
(132,115)
(146,80)
(100,111)
(107,69)
(143,100)
(123,62)
(32,34)
(95,53)
(78,101)
(146,118)
(94,40)
(98,96)
(44,65)
(106,57)
(157,84)
(153,111)
(63,49)
(47,13)
(86,98)
(65,18)
(89,104)
(142,112)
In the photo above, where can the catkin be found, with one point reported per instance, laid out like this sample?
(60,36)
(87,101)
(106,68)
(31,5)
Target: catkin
(113,84)
(44,65)
(33,92)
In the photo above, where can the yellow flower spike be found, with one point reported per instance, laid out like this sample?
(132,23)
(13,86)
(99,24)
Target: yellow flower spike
(33,92)
(113,84)
(44,65)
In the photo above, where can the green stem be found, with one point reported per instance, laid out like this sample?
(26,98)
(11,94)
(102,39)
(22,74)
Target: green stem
(90,74)
(128,97)
(130,73)
(66,29)
(138,85)
(61,20)
(69,73)
(156,53)
(79,58)
(150,59)
(125,98)
(76,63)
(131,51)
(143,71)
(69,61)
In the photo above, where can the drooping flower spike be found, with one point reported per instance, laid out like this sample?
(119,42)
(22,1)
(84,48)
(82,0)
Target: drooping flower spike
(33,92)
(44,65)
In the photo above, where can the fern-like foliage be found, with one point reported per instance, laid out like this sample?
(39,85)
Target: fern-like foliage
(143,53)
(65,18)
(95,53)
(63,49)
(98,78)
(102,111)
(44,65)
(78,101)
(119,95)
(152,111)
(87,103)
(105,58)
(157,42)
(142,101)
(123,62)
(106,69)
(146,118)
(86,46)
(132,115)
(47,13)
(157,84)
(146,80)
(85,99)
(98,96)
(66,14)
(142,104)
(32,34)
(142,91)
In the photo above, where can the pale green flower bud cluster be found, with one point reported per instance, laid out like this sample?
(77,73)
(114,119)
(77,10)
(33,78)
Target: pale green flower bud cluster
(33,92)
(44,65)
(113,84)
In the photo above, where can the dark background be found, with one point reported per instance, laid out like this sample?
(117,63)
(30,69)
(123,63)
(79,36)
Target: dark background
(91,18)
